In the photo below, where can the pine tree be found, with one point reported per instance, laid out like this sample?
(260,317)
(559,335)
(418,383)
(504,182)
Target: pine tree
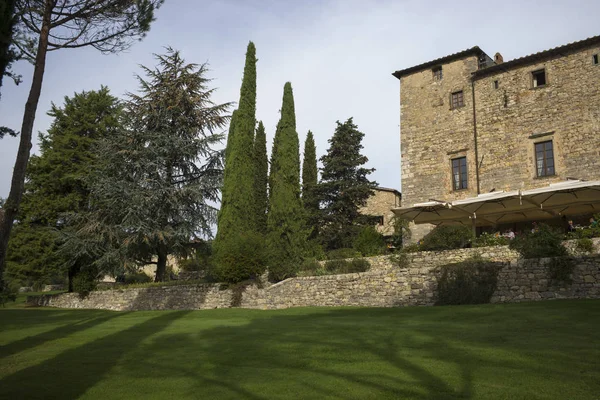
(309,184)
(158,178)
(7,22)
(56,183)
(286,237)
(237,224)
(344,187)
(261,178)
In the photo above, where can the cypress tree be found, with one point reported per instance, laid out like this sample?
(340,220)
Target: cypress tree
(237,218)
(344,187)
(286,237)
(261,177)
(309,184)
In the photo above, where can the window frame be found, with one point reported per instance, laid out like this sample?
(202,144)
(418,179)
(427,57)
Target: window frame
(534,74)
(437,73)
(458,104)
(463,173)
(544,170)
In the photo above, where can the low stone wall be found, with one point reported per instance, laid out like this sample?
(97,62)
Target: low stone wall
(386,285)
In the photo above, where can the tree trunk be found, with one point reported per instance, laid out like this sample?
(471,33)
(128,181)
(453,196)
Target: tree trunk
(13,201)
(161,263)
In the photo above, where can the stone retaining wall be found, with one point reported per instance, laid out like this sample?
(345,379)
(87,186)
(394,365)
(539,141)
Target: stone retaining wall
(385,285)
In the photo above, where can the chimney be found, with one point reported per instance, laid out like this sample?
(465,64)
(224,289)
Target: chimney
(498,58)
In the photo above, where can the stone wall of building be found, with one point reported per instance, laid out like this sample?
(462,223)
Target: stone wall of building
(515,116)
(510,117)
(386,284)
(381,205)
(432,133)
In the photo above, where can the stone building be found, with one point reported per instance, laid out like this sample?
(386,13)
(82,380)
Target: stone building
(380,206)
(472,125)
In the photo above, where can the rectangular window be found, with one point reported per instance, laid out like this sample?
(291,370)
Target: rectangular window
(459,173)
(595,59)
(496,84)
(457,99)
(539,78)
(437,73)
(544,158)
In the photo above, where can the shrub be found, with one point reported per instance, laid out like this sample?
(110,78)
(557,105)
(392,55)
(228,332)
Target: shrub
(359,265)
(369,242)
(402,232)
(242,259)
(347,266)
(447,237)
(545,242)
(8,293)
(411,248)
(487,239)
(340,254)
(472,281)
(400,258)
(85,281)
(584,245)
(136,277)
(560,269)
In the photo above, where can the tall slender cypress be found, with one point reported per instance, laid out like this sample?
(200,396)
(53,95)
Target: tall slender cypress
(286,237)
(237,217)
(309,184)
(260,178)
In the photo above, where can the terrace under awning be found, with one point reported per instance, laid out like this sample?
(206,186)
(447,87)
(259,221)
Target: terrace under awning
(558,199)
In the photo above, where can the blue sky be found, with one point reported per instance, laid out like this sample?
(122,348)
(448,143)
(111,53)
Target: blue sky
(338,54)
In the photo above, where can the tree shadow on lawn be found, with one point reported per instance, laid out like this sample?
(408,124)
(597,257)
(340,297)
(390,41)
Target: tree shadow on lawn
(68,326)
(72,372)
(360,353)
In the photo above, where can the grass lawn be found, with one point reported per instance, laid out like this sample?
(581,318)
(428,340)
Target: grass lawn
(544,350)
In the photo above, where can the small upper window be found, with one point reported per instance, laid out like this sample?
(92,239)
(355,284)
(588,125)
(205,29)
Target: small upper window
(595,59)
(544,158)
(539,78)
(459,173)
(496,84)
(457,99)
(437,73)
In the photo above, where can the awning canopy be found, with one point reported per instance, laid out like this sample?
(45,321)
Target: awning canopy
(563,198)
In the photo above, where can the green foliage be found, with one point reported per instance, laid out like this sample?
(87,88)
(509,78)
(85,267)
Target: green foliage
(544,242)
(411,248)
(472,281)
(7,53)
(488,239)
(340,254)
(369,242)
(33,259)
(347,266)
(56,184)
(447,237)
(159,177)
(136,277)
(584,245)
(242,259)
(402,232)
(560,269)
(286,238)
(8,293)
(344,187)
(237,216)
(261,178)
(400,258)
(86,280)
(310,198)
(199,259)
